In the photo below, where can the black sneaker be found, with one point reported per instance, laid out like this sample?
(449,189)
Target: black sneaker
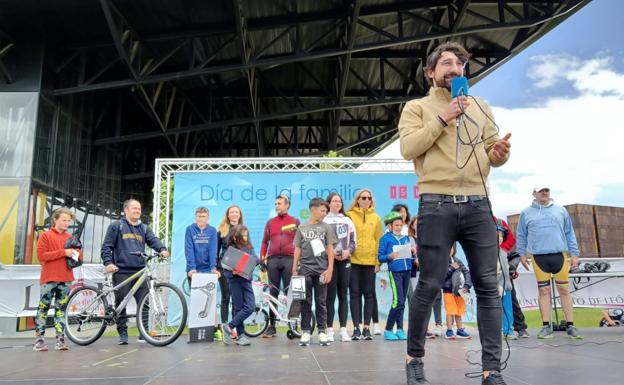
(270,332)
(495,378)
(415,372)
(123,339)
(366,334)
(357,335)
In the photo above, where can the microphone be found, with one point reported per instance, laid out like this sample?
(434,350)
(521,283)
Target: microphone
(459,87)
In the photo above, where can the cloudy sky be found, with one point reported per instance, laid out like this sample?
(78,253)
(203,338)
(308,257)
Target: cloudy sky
(562,99)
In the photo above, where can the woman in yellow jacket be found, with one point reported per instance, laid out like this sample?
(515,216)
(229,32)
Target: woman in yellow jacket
(364,262)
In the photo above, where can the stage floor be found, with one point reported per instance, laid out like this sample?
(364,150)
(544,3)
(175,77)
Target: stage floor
(593,360)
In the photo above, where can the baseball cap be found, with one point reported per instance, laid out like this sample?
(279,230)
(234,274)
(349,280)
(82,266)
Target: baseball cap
(540,187)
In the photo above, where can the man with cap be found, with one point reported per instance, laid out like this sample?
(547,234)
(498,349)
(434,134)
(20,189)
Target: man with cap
(545,232)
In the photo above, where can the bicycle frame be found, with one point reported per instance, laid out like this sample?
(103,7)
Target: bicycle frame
(140,277)
(274,304)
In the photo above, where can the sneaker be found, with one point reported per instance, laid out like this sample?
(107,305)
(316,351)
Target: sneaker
(495,378)
(40,345)
(330,334)
(545,333)
(376,330)
(227,334)
(390,336)
(123,338)
(140,339)
(344,336)
(270,332)
(510,336)
(430,335)
(449,335)
(60,343)
(401,335)
(357,335)
(366,334)
(573,332)
(462,334)
(243,341)
(415,372)
(305,339)
(218,336)
(438,330)
(522,333)
(323,340)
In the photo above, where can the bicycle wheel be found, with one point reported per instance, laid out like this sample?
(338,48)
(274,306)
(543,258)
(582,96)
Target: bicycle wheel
(257,323)
(294,324)
(85,316)
(161,314)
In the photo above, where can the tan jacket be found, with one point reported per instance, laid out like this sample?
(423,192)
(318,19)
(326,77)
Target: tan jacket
(433,147)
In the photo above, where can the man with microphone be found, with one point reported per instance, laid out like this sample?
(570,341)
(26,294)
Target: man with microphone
(452,163)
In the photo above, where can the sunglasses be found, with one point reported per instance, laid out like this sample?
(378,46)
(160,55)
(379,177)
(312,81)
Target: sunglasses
(366,198)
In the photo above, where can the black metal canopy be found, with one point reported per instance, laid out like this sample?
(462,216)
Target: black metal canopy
(231,78)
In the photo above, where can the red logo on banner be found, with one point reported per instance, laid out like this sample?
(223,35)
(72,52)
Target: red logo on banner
(393,192)
(403,192)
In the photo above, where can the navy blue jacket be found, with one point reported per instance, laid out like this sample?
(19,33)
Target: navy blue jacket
(447,286)
(200,248)
(122,239)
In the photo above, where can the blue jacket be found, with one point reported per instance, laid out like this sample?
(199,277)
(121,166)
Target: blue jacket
(122,239)
(447,286)
(545,230)
(387,241)
(200,248)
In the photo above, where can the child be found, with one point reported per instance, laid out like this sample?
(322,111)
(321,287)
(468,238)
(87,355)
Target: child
(453,301)
(612,317)
(56,277)
(314,248)
(243,300)
(399,270)
(506,242)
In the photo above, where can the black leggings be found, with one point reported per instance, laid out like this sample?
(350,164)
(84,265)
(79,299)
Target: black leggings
(339,285)
(362,283)
(225,297)
(280,272)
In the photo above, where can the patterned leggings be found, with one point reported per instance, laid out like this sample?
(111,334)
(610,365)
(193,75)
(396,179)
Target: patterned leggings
(60,292)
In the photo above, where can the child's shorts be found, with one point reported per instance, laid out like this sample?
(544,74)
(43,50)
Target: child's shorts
(454,305)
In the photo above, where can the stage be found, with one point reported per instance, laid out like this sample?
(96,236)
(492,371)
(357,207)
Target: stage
(280,361)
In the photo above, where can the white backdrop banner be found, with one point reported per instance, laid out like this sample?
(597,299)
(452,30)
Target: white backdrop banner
(19,287)
(599,290)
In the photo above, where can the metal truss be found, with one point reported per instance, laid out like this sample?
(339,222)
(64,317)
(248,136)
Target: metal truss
(167,168)
(210,91)
(6,45)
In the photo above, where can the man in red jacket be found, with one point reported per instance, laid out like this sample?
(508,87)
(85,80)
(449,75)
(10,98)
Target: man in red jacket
(277,251)
(56,277)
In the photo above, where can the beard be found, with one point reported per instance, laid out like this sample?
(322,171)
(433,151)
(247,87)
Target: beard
(446,80)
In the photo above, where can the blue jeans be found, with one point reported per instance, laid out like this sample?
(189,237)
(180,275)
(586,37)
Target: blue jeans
(399,282)
(243,300)
(508,318)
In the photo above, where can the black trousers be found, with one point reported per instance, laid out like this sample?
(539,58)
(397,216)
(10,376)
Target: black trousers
(362,283)
(120,294)
(280,272)
(519,323)
(339,286)
(225,296)
(312,282)
(440,224)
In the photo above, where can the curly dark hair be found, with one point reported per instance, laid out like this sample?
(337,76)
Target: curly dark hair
(449,46)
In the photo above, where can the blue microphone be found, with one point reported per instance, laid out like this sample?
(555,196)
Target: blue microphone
(459,86)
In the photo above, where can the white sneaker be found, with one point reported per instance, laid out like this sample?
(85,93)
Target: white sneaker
(305,339)
(330,334)
(376,330)
(344,336)
(323,339)
(438,330)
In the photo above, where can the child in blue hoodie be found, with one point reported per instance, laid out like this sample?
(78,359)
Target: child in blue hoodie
(200,245)
(399,271)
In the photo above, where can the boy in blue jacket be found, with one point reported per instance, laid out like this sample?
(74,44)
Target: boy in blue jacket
(399,271)
(457,284)
(200,245)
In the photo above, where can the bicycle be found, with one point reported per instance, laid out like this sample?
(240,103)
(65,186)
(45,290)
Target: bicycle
(90,309)
(258,322)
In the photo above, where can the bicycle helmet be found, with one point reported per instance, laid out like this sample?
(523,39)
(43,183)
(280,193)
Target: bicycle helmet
(391,217)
